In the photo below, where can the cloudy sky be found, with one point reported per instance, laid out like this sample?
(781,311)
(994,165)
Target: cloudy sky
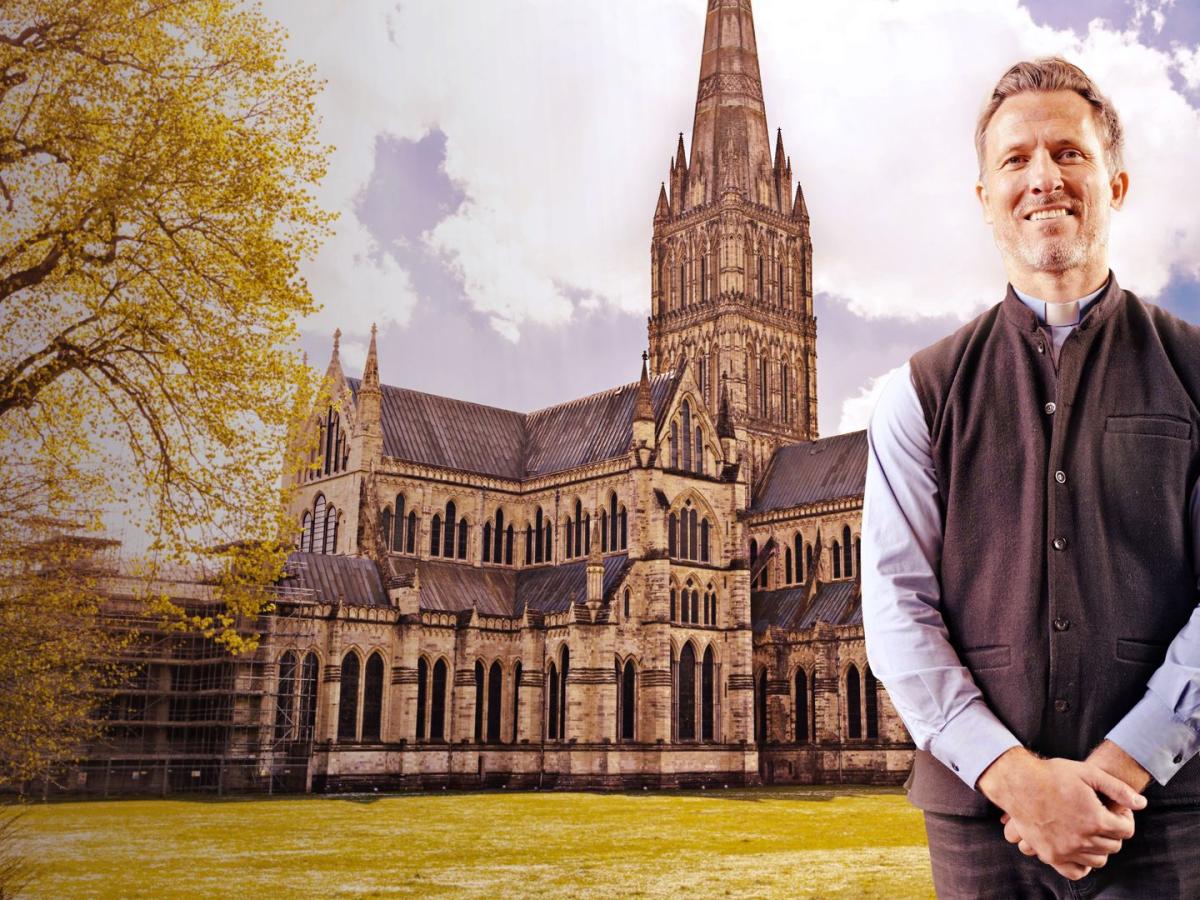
(497,167)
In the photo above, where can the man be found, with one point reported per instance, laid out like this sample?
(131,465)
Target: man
(1031,533)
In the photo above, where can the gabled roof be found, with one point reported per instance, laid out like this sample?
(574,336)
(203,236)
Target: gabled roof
(838,603)
(454,587)
(469,437)
(350,580)
(814,471)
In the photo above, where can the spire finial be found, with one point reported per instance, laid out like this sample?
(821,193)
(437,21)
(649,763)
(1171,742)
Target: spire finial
(337,340)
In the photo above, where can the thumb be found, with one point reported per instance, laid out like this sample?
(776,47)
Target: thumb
(1112,787)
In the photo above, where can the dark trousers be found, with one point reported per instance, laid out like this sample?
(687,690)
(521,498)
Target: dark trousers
(972,860)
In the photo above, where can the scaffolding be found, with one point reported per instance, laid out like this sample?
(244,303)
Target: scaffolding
(191,717)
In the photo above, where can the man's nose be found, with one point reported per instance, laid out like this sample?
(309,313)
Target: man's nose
(1045,177)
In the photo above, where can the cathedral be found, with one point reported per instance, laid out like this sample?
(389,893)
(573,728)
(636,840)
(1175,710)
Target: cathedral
(656,585)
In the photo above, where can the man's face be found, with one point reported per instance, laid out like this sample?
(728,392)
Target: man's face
(1045,188)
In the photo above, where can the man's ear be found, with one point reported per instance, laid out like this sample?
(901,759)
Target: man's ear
(982,196)
(1120,188)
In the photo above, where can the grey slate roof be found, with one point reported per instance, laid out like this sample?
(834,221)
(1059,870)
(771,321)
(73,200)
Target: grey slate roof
(838,603)
(351,580)
(454,587)
(814,471)
(455,434)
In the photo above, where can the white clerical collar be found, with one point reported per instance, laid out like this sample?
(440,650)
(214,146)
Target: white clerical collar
(1068,313)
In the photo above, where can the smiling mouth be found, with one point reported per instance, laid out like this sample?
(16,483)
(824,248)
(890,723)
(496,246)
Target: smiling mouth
(1040,214)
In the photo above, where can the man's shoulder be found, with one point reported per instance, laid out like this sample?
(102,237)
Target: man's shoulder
(1180,341)
(943,356)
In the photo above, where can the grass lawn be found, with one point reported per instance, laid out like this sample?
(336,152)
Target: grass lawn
(795,842)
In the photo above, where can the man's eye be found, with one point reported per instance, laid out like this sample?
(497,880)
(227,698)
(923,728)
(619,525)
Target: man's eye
(1014,160)
(1071,154)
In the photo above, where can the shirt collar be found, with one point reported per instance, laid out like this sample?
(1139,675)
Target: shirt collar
(1060,313)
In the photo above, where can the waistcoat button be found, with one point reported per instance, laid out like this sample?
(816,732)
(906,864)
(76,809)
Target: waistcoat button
(1177,760)
(1062,624)
(1041,347)
(1060,543)
(1061,705)
(1050,408)
(1060,476)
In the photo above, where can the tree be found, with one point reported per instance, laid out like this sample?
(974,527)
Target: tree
(157,159)
(157,166)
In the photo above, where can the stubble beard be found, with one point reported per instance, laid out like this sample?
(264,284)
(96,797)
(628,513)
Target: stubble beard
(1057,254)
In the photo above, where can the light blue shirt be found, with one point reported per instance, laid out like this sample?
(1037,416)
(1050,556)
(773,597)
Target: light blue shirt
(908,646)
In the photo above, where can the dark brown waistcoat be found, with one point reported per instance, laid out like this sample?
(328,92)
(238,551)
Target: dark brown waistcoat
(1067,564)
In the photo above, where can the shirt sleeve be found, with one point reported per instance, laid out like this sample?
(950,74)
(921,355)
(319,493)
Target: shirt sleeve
(1162,731)
(908,646)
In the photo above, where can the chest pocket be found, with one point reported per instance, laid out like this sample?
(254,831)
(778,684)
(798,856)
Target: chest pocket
(1155,426)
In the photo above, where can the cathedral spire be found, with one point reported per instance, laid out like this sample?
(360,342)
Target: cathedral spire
(730,128)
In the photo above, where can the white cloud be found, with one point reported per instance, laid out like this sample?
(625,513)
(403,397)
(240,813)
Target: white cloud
(357,283)
(856,411)
(362,100)
(560,119)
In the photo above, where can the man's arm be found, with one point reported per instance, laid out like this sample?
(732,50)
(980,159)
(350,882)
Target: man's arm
(1162,732)
(908,646)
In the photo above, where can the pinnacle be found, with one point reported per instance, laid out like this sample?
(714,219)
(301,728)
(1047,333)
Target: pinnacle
(371,367)
(724,425)
(643,407)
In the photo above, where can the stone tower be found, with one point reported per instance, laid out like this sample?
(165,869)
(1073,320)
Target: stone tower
(731,256)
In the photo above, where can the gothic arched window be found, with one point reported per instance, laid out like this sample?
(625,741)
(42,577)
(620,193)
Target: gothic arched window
(348,698)
(707,694)
(801,706)
(494,692)
(478,701)
(437,704)
(435,536)
(373,698)
(686,694)
(871,690)
(451,525)
(853,704)
(516,701)
(308,697)
(552,704)
(628,696)
(410,544)
(422,696)
(837,559)
(398,526)
(687,431)
(306,533)
(285,696)
(848,550)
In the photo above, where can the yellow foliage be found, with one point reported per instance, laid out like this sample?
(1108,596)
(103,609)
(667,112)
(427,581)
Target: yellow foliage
(157,167)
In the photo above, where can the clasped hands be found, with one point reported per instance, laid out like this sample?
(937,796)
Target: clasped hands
(1070,815)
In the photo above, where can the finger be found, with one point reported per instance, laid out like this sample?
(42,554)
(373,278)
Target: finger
(1091,860)
(1112,787)
(1104,845)
(1071,871)
(1111,825)
(1004,819)
(1024,847)
(1011,834)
